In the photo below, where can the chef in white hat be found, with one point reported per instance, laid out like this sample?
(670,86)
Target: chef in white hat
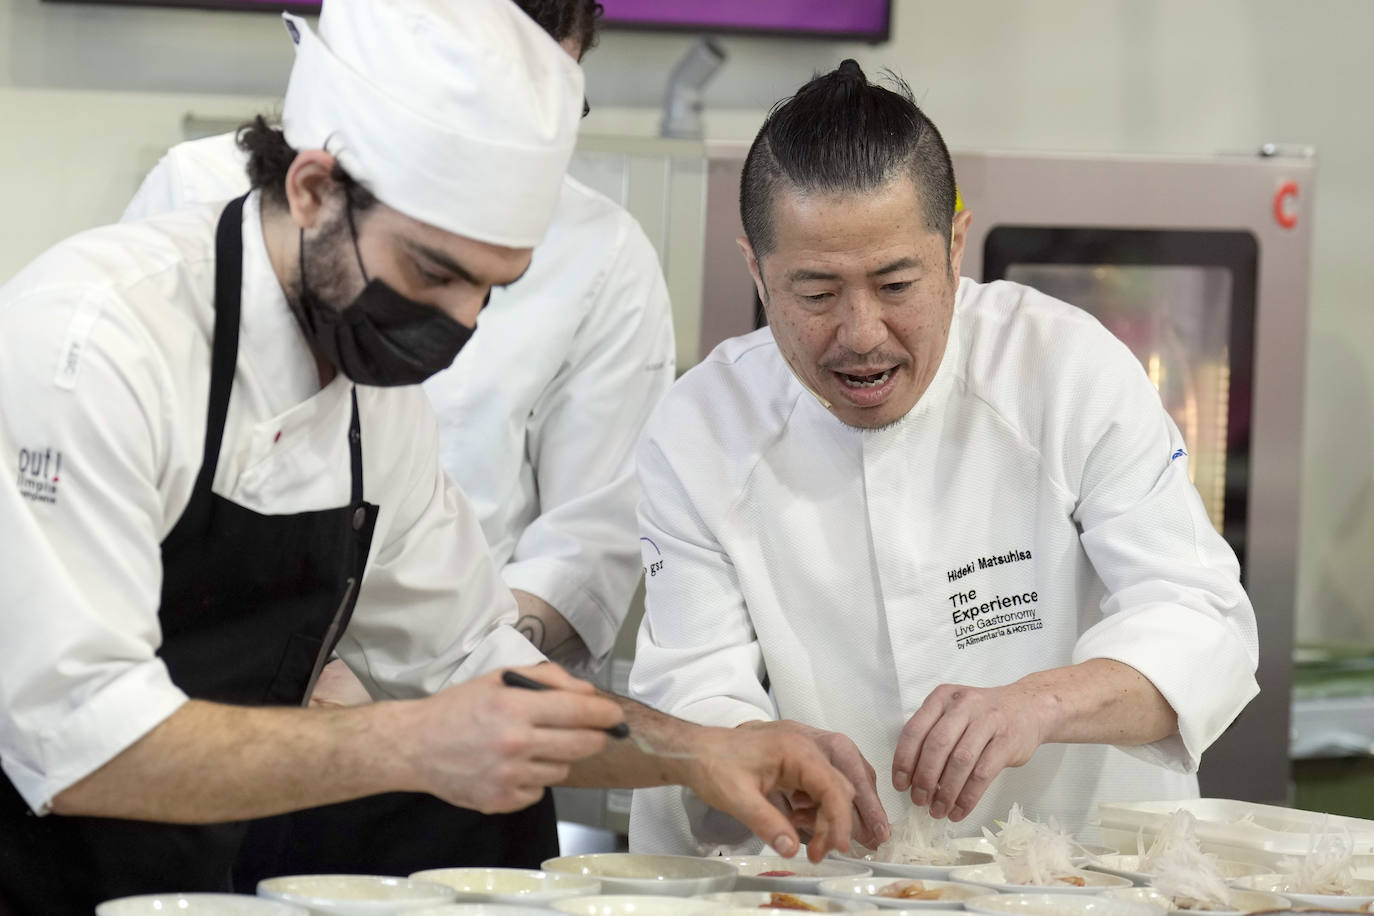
(224,472)
(538,430)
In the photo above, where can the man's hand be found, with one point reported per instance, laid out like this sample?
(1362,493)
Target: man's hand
(736,769)
(870,820)
(491,747)
(960,739)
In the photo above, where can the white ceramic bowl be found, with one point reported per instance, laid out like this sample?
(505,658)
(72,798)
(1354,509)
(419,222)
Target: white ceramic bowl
(1094,882)
(755,900)
(510,885)
(197,905)
(479,909)
(865,891)
(918,869)
(355,895)
(629,873)
(1057,905)
(804,878)
(1278,884)
(630,905)
(1244,901)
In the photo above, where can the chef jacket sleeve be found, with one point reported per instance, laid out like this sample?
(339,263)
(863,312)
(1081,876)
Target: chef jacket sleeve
(81,521)
(432,610)
(579,554)
(697,656)
(1174,608)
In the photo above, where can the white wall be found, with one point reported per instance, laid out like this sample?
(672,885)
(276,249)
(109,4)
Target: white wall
(1088,75)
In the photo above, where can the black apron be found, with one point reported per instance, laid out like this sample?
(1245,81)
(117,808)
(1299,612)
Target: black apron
(251,606)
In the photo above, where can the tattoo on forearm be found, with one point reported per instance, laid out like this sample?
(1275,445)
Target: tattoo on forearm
(532,628)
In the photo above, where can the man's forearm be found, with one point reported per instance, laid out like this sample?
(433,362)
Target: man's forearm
(623,763)
(549,631)
(209,762)
(1101,701)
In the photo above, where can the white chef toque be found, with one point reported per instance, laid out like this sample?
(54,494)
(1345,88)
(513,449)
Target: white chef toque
(458,113)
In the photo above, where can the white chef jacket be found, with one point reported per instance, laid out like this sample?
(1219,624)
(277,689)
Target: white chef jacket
(104,375)
(1033,510)
(540,413)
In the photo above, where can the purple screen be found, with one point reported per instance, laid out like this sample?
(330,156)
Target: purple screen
(867,18)
(864,19)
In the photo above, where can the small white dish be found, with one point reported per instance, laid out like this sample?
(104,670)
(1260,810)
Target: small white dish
(355,895)
(525,886)
(1278,884)
(867,891)
(757,900)
(197,905)
(804,874)
(991,876)
(630,905)
(631,873)
(1056,905)
(1244,901)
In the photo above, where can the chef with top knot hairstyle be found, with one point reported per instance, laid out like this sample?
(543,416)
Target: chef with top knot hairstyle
(946,526)
(224,470)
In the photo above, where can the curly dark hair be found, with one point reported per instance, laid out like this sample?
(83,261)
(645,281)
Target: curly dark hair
(270,156)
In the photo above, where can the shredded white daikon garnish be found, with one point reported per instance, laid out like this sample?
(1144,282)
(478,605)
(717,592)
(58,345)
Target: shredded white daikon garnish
(1181,870)
(1325,869)
(1030,852)
(920,839)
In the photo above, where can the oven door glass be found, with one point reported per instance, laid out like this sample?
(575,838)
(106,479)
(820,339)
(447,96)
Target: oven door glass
(1191,325)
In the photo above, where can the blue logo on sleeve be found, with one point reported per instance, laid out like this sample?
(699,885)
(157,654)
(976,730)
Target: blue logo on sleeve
(1177,455)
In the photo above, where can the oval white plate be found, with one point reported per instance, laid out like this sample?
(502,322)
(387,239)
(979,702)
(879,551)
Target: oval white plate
(197,905)
(355,895)
(630,905)
(804,878)
(991,876)
(1056,905)
(1278,884)
(1247,901)
(510,885)
(629,873)
(865,890)
(755,900)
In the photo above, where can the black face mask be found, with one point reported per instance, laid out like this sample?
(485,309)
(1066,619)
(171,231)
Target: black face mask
(381,338)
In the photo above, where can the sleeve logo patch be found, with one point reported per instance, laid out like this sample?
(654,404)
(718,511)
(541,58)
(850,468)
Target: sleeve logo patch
(1177,455)
(40,474)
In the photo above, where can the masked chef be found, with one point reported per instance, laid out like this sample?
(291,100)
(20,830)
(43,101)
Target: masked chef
(538,429)
(225,471)
(951,520)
